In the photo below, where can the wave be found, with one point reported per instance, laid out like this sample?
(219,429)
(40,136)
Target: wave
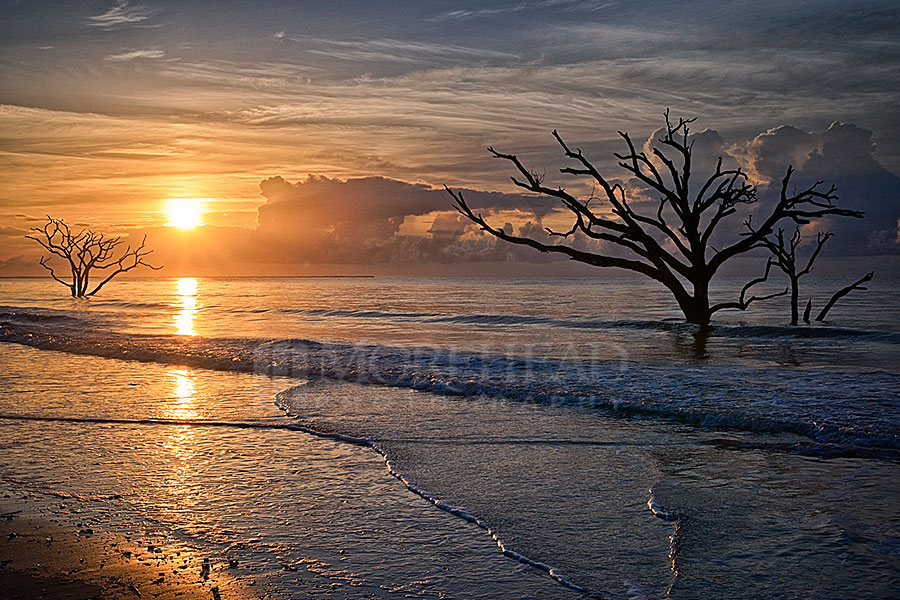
(124,304)
(573,322)
(808,332)
(722,331)
(658,512)
(361,314)
(841,413)
(282,401)
(32,317)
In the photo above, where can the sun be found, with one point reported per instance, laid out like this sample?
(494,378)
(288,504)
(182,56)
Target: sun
(184,213)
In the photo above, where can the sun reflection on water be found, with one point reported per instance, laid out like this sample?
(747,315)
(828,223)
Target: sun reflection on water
(180,442)
(186,290)
(184,395)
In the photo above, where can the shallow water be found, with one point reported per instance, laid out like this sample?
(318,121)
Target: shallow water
(277,501)
(552,412)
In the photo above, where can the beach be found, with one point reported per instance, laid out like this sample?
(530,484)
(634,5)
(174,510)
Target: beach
(45,558)
(401,438)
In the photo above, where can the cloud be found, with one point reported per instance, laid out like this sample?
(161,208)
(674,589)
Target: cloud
(121,13)
(17,266)
(708,146)
(843,155)
(136,54)
(361,221)
(387,49)
(767,156)
(10,231)
(463,14)
(846,160)
(374,220)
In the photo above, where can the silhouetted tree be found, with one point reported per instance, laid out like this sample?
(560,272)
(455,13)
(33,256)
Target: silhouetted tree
(87,251)
(671,244)
(784,256)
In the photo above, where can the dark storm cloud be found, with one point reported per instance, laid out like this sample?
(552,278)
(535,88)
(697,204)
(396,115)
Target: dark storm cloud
(360,221)
(846,160)
(842,156)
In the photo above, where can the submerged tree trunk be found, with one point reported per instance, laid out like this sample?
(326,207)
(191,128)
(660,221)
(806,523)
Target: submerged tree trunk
(795,300)
(697,310)
(696,313)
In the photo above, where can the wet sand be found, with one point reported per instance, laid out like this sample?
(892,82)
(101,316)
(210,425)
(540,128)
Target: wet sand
(42,558)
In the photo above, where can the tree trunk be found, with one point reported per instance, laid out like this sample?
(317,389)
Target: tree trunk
(696,307)
(795,300)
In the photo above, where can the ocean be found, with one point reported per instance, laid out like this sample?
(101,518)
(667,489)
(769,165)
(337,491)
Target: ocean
(466,438)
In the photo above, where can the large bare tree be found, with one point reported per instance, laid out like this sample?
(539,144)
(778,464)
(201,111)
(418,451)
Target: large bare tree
(672,243)
(87,251)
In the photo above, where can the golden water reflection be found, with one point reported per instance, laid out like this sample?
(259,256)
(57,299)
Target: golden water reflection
(188,306)
(183,396)
(180,444)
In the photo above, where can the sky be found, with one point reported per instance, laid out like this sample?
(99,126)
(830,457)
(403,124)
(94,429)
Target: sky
(316,137)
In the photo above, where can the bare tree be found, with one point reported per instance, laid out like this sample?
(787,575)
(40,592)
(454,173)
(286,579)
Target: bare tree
(87,251)
(784,255)
(672,244)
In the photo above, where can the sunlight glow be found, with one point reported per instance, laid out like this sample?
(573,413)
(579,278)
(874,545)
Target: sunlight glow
(185,213)
(188,306)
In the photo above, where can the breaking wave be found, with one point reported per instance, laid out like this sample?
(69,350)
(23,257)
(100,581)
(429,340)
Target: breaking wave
(842,413)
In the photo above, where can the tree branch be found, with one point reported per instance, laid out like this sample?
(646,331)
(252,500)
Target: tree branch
(743,303)
(856,285)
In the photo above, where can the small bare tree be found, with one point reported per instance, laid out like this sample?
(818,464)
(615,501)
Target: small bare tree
(671,244)
(784,256)
(87,251)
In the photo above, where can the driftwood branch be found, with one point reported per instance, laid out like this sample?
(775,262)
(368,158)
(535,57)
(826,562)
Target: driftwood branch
(856,285)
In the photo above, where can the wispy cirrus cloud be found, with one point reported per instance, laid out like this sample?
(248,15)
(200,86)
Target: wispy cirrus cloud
(136,54)
(121,13)
(462,14)
(386,49)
